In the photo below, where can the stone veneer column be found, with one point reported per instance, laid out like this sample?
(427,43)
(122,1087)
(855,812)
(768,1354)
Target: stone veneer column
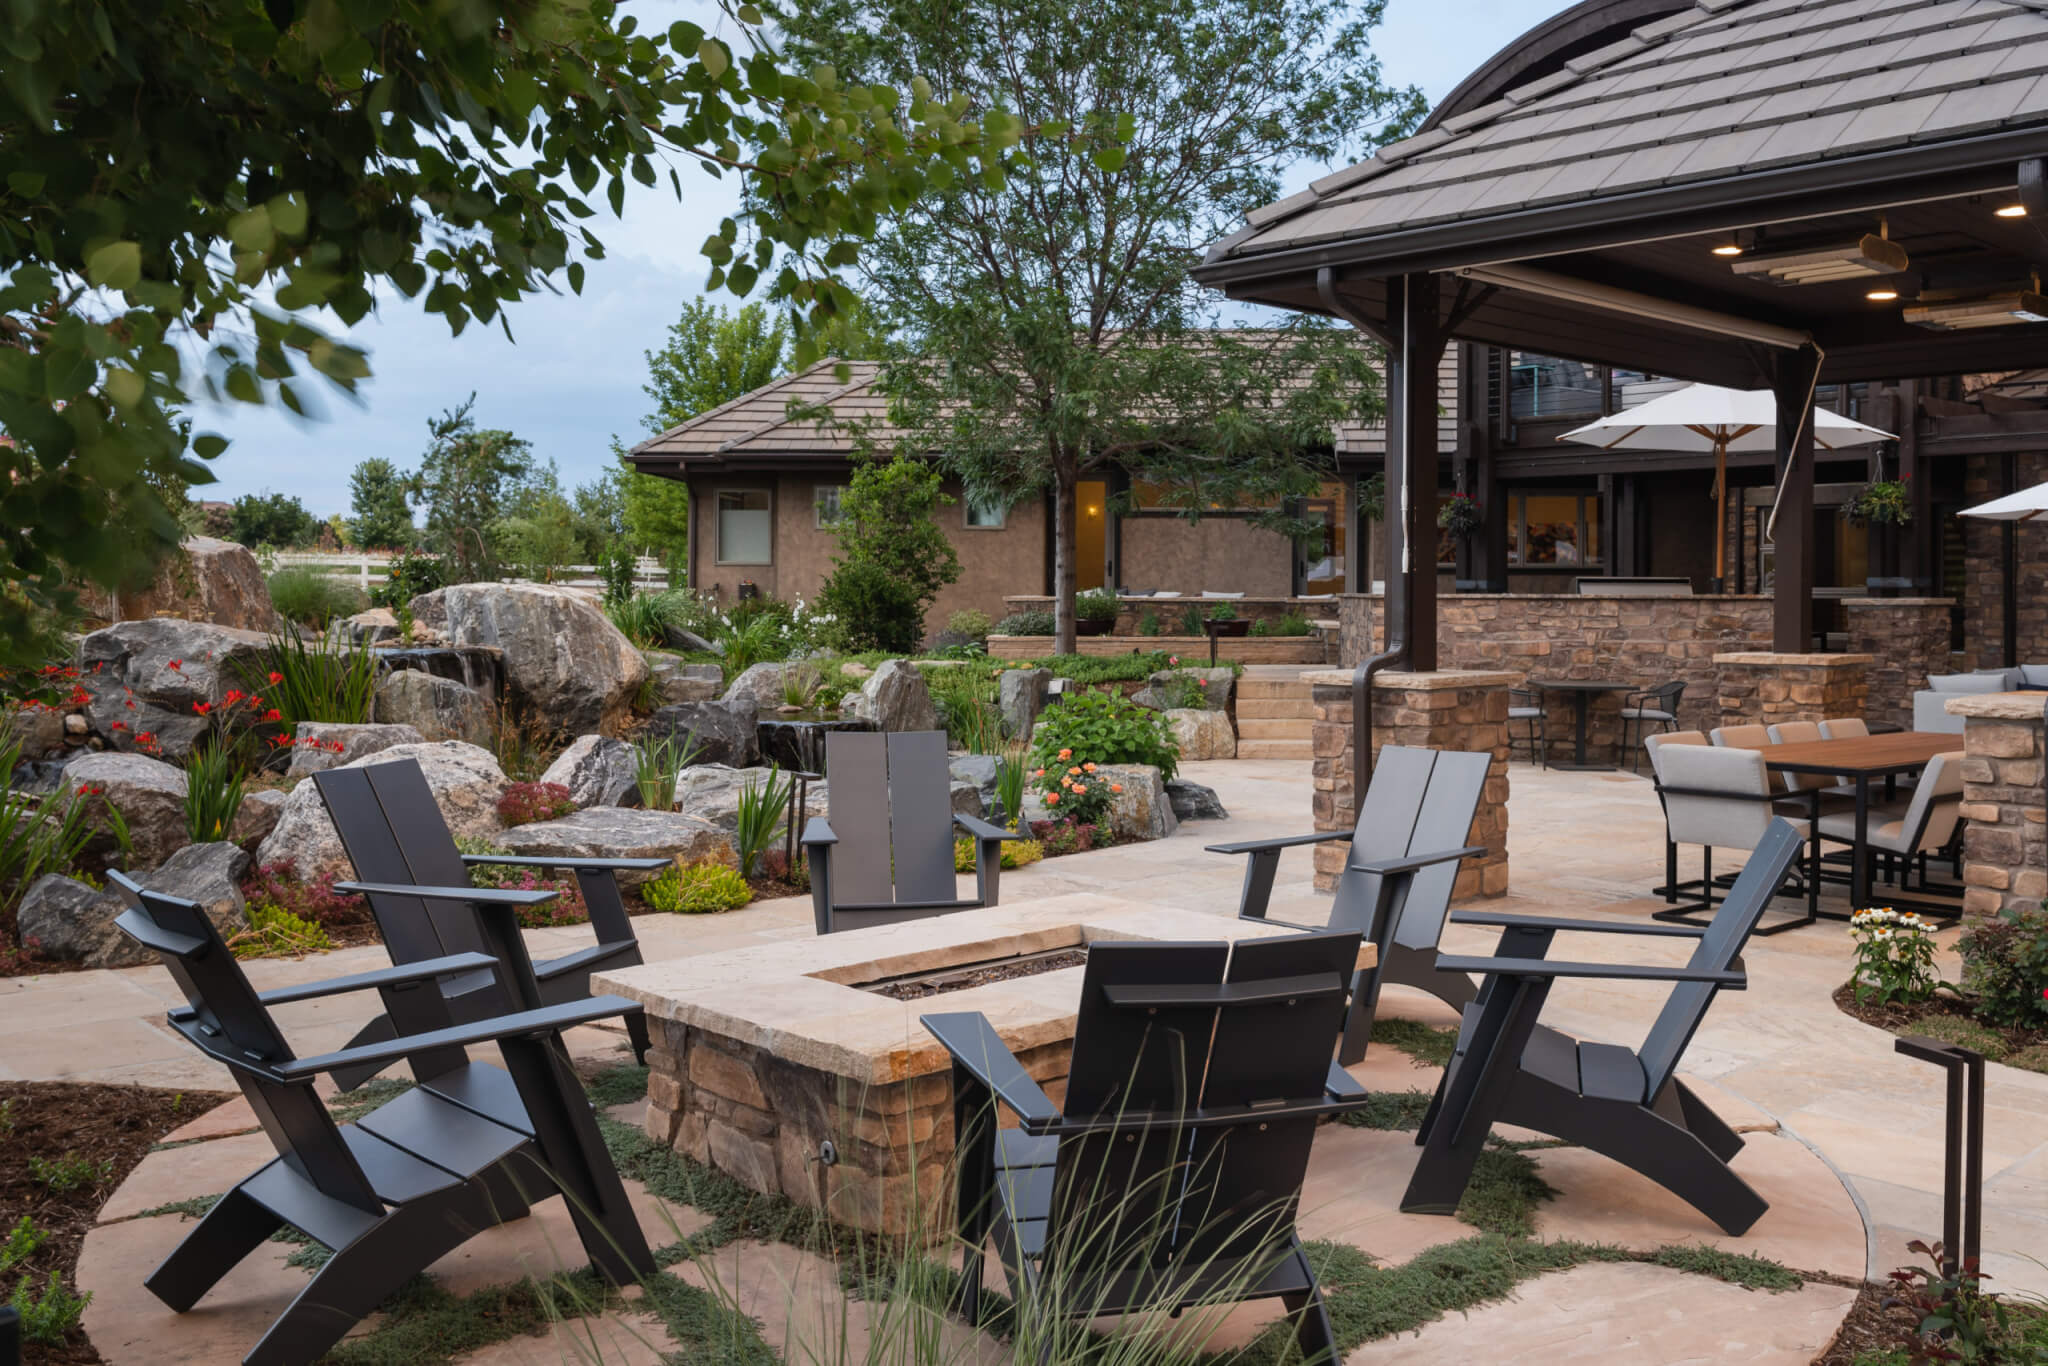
(1359,623)
(1450,710)
(1907,639)
(2005,858)
(1763,688)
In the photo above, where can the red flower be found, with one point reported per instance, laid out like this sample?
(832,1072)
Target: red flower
(255,704)
(202,707)
(275,678)
(178,664)
(119,725)
(131,704)
(234,695)
(338,746)
(273,715)
(281,742)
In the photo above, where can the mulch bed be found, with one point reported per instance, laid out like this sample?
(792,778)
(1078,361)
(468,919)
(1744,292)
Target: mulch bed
(1868,1330)
(1914,1019)
(114,1125)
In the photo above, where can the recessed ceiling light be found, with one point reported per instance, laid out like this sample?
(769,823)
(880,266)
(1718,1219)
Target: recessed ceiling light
(1882,296)
(2013,211)
(1728,249)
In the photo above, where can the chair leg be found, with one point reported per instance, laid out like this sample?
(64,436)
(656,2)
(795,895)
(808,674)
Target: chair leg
(1312,1329)
(1645,1142)
(231,1230)
(1679,1105)
(636,1031)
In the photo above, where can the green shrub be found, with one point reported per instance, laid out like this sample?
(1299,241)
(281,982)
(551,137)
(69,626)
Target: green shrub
(1094,669)
(755,640)
(44,834)
(763,808)
(309,683)
(658,765)
(1024,624)
(1184,690)
(966,698)
(70,1172)
(874,608)
(1222,611)
(1191,620)
(275,932)
(698,889)
(969,622)
(303,594)
(1097,604)
(22,1241)
(1148,623)
(1016,853)
(1010,773)
(213,794)
(1292,622)
(893,559)
(408,574)
(2005,964)
(1103,728)
(47,1317)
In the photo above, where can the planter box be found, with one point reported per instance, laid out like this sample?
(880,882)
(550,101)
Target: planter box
(1193,650)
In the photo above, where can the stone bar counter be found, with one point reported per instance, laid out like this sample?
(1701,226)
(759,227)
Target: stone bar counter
(1768,688)
(2003,836)
(1453,709)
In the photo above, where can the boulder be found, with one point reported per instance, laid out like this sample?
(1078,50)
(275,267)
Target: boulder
(762,683)
(722,733)
(1142,810)
(966,799)
(438,708)
(1020,695)
(465,780)
(1194,802)
(855,670)
(149,794)
(66,920)
(205,581)
(566,665)
(1217,686)
(711,793)
(675,681)
(313,747)
(596,769)
(676,638)
(39,732)
(895,698)
(144,676)
(1202,733)
(624,832)
(977,771)
(210,874)
(257,816)
(378,626)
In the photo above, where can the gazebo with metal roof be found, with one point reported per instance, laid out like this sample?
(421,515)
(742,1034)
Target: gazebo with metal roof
(1755,193)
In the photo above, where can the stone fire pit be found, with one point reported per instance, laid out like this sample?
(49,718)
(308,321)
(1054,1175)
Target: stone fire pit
(765,1055)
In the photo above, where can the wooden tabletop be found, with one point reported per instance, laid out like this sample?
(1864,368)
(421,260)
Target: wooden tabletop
(1862,753)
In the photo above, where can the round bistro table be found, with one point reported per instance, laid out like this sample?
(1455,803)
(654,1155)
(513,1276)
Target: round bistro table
(1582,691)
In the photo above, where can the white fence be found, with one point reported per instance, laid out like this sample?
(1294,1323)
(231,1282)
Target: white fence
(369,568)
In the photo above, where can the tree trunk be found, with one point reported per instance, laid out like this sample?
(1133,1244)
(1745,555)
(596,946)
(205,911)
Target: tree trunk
(1065,482)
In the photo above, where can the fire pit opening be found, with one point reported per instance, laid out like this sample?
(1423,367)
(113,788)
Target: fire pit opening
(916,986)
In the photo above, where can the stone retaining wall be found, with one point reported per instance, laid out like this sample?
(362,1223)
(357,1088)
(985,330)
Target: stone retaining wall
(1765,688)
(1193,650)
(2005,854)
(1906,638)
(1449,710)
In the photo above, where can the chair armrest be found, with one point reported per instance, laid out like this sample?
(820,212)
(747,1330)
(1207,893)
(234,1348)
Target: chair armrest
(1509,920)
(1341,1085)
(1283,924)
(816,831)
(1283,842)
(977,827)
(545,1020)
(448,966)
(1624,972)
(977,1048)
(1417,862)
(629,865)
(476,896)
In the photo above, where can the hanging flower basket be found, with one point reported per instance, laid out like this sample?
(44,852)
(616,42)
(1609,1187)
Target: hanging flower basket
(1883,503)
(1459,514)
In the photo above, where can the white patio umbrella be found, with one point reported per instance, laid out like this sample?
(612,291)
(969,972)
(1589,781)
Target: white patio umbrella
(2014,507)
(1707,417)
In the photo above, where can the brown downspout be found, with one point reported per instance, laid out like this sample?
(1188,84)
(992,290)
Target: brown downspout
(1394,603)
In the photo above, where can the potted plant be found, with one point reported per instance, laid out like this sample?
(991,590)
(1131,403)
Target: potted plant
(1884,502)
(1094,612)
(1459,514)
(1224,621)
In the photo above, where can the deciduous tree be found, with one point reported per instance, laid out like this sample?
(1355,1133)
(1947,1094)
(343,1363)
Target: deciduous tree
(464,481)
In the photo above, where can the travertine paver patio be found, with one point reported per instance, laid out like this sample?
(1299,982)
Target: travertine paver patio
(1778,1056)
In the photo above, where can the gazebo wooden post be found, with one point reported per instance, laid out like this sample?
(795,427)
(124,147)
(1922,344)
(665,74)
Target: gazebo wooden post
(1792,382)
(1416,333)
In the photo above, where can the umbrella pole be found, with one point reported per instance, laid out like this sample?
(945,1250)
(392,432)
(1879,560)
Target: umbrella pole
(1720,517)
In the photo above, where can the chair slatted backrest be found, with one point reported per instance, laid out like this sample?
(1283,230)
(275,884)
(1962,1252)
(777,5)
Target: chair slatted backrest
(1449,804)
(1717,951)
(230,1022)
(890,804)
(1115,1201)
(1385,829)
(394,832)
(1244,1182)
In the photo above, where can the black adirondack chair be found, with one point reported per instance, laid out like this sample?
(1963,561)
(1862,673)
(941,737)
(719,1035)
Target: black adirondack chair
(883,852)
(472,1146)
(1627,1104)
(1172,1174)
(417,884)
(1398,875)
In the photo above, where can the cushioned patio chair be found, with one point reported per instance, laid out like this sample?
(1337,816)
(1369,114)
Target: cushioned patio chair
(1171,1173)
(1721,798)
(883,851)
(1904,834)
(1398,874)
(470,1147)
(1624,1103)
(1652,709)
(417,883)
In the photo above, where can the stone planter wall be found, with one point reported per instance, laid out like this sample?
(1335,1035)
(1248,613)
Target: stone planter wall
(2005,857)
(1767,689)
(1907,639)
(1193,650)
(1450,710)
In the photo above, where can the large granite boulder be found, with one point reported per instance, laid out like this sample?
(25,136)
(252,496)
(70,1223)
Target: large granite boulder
(205,581)
(720,732)
(566,665)
(978,773)
(1020,696)
(596,769)
(149,794)
(321,745)
(1202,733)
(624,832)
(38,732)
(1142,810)
(762,684)
(894,698)
(1194,802)
(1217,686)
(66,920)
(438,708)
(210,874)
(144,676)
(676,681)
(377,626)
(257,816)
(711,793)
(465,780)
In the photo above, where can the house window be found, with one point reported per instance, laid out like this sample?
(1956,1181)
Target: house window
(985,513)
(826,503)
(1554,528)
(745,535)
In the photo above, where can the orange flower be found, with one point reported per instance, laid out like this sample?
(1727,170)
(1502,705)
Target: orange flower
(1052,799)
(1038,773)
(1117,788)
(1073,770)
(1089,767)
(1066,754)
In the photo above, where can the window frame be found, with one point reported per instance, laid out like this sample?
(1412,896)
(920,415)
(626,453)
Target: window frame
(818,521)
(1518,530)
(967,511)
(718,527)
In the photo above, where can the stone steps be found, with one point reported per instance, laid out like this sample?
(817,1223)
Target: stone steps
(1286,728)
(1275,708)
(1273,749)
(1271,689)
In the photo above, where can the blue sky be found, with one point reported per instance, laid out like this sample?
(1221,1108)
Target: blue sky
(571,377)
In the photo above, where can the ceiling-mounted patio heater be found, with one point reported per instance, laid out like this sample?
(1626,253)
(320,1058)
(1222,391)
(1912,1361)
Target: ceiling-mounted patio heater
(2009,309)
(1868,255)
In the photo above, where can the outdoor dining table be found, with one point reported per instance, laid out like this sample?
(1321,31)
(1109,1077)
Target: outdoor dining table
(1582,691)
(1861,759)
